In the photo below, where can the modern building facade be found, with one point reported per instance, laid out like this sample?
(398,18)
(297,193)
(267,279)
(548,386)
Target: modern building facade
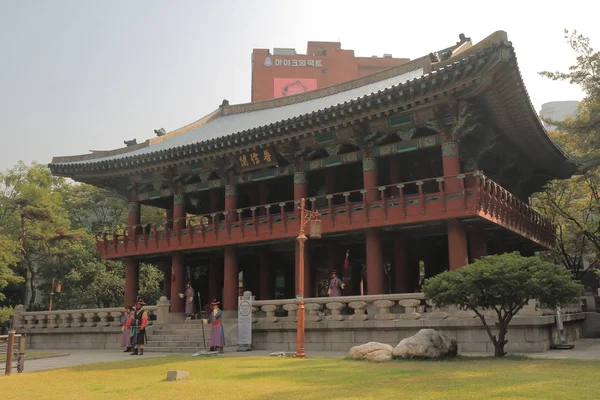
(422,166)
(558,111)
(284,72)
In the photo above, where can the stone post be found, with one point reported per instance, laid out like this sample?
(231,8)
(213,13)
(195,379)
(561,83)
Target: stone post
(162,311)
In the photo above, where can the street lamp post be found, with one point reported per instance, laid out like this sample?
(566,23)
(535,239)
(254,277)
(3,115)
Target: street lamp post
(58,288)
(306,216)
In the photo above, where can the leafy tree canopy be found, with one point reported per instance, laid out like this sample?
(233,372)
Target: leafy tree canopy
(582,133)
(505,284)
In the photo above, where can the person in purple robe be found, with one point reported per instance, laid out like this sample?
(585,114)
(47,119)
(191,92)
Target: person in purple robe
(335,286)
(126,329)
(217,335)
(190,309)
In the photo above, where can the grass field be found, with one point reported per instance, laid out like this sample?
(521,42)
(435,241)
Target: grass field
(283,378)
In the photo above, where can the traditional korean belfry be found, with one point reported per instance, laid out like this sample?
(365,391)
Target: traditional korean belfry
(414,170)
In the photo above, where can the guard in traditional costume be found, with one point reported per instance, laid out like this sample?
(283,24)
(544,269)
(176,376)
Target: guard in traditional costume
(126,320)
(190,309)
(335,286)
(140,321)
(217,335)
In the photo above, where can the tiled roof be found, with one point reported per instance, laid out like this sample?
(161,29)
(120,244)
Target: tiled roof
(235,123)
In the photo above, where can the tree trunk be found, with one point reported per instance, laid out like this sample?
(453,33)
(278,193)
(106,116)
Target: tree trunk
(499,345)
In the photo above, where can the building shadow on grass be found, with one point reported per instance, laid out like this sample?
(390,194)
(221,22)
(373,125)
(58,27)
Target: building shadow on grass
(138,363)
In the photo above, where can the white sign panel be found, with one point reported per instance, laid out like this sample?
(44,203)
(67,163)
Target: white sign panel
(245,319)
(286,62)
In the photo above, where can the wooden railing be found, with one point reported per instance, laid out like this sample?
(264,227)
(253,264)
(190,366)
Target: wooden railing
(394,204)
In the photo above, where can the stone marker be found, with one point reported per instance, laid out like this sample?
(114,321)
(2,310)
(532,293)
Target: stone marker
(177,375)
(427,343)
(374,351)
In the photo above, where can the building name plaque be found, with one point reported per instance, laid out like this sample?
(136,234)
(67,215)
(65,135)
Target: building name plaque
(258,158)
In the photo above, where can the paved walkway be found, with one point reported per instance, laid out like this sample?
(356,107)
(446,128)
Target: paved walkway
(585,349)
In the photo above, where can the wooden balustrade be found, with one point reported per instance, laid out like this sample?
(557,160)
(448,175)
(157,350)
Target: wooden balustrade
(399,203)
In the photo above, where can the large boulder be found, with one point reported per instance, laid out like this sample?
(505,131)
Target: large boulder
(427,343)
(374,351)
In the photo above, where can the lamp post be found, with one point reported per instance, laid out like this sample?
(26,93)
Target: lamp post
(58,288)
(306,216)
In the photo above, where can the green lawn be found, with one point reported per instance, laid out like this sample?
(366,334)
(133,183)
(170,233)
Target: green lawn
(284,378)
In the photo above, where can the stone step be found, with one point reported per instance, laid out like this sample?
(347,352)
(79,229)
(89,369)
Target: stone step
(178,338)
(179,332)
(171,343)
(182,350)
(184,326)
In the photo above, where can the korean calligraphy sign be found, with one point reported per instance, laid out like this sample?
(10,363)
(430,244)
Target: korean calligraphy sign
(257,158)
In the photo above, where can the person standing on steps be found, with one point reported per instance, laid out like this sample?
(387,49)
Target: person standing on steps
(217,335)
(190,307)
(126,329)
(140,321)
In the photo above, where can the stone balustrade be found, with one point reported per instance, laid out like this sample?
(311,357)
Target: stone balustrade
(85,320)
(406,306)
(389,307)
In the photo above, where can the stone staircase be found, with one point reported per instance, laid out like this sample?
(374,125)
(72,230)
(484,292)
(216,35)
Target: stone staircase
(185,337)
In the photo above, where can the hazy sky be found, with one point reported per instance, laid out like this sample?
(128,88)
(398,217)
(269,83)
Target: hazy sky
(77,75)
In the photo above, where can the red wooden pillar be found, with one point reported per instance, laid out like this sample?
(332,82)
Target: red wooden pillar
(131,281)
(370,178)
(266,282)
(375,279)
(457,245)
(133,217)
(477,245)
(178,272)
(230,268)
(230,279)
(300,185)
(179,210)
(457,237)
(167,280)
(401,272)
(231,200)
(451,166)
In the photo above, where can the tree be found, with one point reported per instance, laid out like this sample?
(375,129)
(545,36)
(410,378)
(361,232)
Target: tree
(8,258)
(48,233)
(584,129)
(31,211)
(573,204)
(505,284)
